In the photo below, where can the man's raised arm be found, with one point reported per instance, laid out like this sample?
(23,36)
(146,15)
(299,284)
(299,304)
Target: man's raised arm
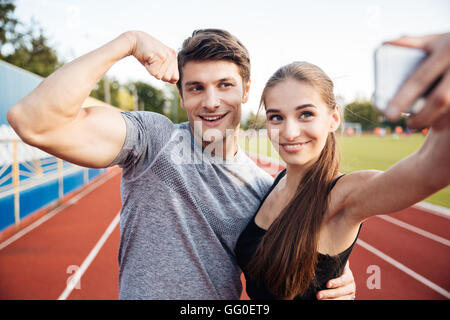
(51,117)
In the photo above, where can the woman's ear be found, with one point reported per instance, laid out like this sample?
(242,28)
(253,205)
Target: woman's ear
(335,118)
(246,91)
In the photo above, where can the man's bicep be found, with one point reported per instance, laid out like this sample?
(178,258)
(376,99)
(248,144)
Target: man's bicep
(93,139)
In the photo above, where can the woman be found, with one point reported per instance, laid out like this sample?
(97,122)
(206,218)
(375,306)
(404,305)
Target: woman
(306,226)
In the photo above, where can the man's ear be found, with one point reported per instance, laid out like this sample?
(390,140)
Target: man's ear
(246,91)
(180,95)
(335,118)
(182,102)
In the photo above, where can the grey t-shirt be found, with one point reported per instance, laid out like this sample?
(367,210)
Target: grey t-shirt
(182,212)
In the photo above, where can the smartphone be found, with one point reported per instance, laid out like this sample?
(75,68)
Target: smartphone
(393,65)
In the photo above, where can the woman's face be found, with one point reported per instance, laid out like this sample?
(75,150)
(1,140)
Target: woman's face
(298,121)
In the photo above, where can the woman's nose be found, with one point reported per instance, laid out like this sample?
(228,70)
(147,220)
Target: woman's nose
(291,130)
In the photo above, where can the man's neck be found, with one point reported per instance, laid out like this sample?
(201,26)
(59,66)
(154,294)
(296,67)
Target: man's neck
(226,147)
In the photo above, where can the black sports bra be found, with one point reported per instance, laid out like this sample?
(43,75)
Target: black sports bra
(328,267)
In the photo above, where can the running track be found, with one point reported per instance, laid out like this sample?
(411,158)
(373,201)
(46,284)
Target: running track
(405,255)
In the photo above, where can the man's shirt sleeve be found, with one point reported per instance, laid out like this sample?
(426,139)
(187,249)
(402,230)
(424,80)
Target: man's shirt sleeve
(146,135)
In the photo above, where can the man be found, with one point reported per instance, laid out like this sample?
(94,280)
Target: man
(183,208)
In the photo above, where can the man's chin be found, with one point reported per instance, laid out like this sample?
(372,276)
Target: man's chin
(214,135)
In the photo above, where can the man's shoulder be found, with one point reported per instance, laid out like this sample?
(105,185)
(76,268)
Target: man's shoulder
(260,175)
(147,117)
(151,125)
(147,133)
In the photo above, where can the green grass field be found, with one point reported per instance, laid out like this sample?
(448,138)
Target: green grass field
(363,152)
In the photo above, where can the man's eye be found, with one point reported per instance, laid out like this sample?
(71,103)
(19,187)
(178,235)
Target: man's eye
(275,117)
(225,85)
(196,88)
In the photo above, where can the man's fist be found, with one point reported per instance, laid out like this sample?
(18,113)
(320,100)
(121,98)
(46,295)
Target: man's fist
(159,60)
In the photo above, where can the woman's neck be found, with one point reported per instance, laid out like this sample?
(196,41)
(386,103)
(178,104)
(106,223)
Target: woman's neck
(294,174)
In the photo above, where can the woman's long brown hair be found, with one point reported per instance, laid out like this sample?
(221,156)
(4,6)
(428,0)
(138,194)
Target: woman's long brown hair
(287,254)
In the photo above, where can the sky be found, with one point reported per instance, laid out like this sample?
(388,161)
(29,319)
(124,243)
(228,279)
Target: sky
(338,36)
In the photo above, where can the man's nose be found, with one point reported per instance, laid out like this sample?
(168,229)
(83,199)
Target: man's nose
(211,100)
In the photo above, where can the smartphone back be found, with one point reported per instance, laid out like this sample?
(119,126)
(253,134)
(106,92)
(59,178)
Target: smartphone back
(393,65)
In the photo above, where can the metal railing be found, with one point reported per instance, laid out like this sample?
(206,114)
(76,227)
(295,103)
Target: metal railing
(24,168)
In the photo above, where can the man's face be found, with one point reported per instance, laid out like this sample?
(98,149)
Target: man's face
(212,96)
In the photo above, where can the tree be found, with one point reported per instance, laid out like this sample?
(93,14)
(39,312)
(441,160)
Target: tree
(165,101)
(364,113)
(99,91)
(30,49)
(125,99)
(149,97)
(176,113)
(33,53)
(7,22)
(254,121)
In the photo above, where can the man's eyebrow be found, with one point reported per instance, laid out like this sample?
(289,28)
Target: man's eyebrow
(227,79)
(191,83)
(195,83)
(308,105)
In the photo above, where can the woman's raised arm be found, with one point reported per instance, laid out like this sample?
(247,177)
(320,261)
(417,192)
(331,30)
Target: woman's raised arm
(414,178)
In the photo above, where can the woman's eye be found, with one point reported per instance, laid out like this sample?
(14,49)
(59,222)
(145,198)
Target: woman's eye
(225,85)
(306,115)
(275,118)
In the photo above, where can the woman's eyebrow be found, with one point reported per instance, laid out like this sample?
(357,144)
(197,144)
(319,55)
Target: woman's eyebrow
(308,105)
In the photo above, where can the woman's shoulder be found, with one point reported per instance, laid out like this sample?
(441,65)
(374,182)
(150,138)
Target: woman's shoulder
(349,181)
(345,187)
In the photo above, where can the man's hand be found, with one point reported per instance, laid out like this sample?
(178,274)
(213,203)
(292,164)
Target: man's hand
(342,288)
(159,60)
(437,103)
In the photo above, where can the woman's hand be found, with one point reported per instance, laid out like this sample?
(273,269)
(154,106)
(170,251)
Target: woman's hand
(437,105)
(342,288)
(159,60)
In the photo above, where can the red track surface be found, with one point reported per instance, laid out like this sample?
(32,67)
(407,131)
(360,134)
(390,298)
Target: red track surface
(37,265)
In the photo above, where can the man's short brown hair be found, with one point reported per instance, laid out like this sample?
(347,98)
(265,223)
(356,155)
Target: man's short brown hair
(214,44)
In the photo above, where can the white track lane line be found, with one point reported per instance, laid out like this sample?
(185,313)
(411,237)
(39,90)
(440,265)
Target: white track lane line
(433,208)
(57,210)
(91,256)
(415,229)
(404,268)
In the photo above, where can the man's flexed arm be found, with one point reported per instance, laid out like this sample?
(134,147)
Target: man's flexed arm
(51,117)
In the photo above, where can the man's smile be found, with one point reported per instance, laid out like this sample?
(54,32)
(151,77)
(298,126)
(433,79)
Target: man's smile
(212,119)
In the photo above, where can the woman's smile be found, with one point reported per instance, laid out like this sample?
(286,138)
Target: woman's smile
(293,147)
